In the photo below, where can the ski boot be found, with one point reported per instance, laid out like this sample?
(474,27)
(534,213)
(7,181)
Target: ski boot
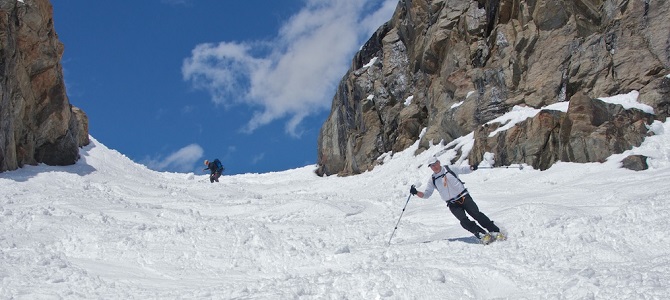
(498,236)
(485,238)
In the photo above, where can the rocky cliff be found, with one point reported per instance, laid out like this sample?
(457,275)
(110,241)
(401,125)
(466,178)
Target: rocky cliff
(37,122)
(451,66)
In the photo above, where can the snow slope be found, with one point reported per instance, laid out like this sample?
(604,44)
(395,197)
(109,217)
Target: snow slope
(107,228)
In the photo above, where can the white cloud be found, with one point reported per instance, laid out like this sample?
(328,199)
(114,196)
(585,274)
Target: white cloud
(187,109)
(295,74)
(181,161)
(380,16)
(258,158)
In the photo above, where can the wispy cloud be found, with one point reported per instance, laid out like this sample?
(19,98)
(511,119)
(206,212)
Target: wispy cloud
(177,2)
(258,158)
(187,109)
(180,161)
(295,74)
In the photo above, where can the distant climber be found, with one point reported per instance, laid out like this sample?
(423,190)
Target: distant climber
(215,168)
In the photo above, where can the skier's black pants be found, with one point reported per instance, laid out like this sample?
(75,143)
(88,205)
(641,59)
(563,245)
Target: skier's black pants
(466,204)
(214,177)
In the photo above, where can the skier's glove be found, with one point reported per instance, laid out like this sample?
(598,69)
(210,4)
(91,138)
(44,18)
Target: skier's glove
(413,190)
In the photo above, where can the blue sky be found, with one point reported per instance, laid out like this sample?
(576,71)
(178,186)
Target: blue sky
(170,83)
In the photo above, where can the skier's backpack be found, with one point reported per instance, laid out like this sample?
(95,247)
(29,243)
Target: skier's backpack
(445,174)
(219,166)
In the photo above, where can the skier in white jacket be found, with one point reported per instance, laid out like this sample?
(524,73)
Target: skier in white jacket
(453,191)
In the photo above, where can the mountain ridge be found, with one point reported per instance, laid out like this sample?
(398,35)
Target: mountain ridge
(464,63)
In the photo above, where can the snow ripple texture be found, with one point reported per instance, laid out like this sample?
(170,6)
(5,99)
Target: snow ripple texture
(107,228)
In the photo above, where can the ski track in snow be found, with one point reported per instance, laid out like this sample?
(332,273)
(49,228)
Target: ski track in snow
(107,228)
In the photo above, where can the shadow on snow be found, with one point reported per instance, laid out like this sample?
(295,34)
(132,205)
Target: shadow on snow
(80,168)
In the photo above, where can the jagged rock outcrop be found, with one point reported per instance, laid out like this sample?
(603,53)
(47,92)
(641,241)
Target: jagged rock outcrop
(635,163)
(590,131)
(37,122)
(451,66)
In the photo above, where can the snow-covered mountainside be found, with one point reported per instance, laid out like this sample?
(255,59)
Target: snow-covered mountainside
(107,228)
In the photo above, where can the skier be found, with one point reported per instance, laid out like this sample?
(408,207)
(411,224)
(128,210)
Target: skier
(215,168)
(453,191)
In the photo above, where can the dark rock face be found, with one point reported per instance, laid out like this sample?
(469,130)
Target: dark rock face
(635,162)
(590,131)
(37,122)
(451,66)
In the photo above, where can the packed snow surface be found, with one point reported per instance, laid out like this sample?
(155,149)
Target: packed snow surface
(108,228)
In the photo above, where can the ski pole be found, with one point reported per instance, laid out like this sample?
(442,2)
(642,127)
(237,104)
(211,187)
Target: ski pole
(396,224)
(520,167)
